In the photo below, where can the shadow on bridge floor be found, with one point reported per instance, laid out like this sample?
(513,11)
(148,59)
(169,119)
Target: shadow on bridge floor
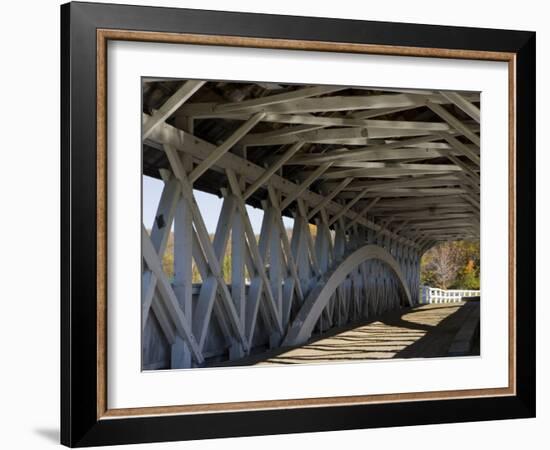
(424,331)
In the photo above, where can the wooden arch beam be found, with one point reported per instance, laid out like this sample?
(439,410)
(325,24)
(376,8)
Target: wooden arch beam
(319,297)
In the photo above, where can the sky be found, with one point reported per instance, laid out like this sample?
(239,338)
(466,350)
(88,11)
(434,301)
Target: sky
(209,205)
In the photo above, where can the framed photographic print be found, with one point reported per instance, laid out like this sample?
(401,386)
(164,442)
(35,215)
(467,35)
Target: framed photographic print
(277,224)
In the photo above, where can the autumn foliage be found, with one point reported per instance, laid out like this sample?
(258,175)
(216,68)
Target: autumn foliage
(451,265)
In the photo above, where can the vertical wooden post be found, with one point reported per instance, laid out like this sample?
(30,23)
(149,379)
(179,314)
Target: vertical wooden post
(183,271)
(275,263)
(238,250)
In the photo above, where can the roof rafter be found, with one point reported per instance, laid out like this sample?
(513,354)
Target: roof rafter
(407,157)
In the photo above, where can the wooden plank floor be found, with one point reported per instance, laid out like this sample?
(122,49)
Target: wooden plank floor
(420,332)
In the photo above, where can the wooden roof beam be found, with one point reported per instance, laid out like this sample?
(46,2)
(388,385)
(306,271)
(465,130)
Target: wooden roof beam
(453,122)
(200,149)
(169,107)
(464,104)
(323,104)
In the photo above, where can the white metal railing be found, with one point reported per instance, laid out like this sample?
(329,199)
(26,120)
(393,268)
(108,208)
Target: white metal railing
(435,295)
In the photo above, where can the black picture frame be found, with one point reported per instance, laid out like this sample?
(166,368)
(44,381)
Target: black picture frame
(80,425)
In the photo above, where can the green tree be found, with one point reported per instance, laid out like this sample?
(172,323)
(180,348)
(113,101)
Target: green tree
(451,265)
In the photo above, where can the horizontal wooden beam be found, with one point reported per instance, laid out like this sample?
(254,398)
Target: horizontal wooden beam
(418,181)
(200,149)
(379,155)
(376,129)
(404,193)
(374,169)
(410,202)
(356,154)
(347,136)
(253,105)
(280,132)
(325,104)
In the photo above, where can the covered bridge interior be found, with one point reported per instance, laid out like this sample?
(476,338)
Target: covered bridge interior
(371,177)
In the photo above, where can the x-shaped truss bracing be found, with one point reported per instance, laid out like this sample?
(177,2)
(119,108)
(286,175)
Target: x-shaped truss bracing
(361,176)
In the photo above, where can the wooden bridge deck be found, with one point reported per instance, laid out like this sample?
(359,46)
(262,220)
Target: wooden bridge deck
(421,332)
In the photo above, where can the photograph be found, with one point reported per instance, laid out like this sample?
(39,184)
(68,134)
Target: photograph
(275,225)
(281,222)
(292,224)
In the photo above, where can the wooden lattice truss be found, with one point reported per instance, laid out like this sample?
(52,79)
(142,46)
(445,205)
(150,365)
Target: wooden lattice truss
(383,175)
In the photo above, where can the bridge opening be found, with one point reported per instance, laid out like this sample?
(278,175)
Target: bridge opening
(276,216)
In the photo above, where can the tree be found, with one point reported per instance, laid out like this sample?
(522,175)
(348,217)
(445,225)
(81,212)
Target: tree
(444,264)
(468,277)
(453,265)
